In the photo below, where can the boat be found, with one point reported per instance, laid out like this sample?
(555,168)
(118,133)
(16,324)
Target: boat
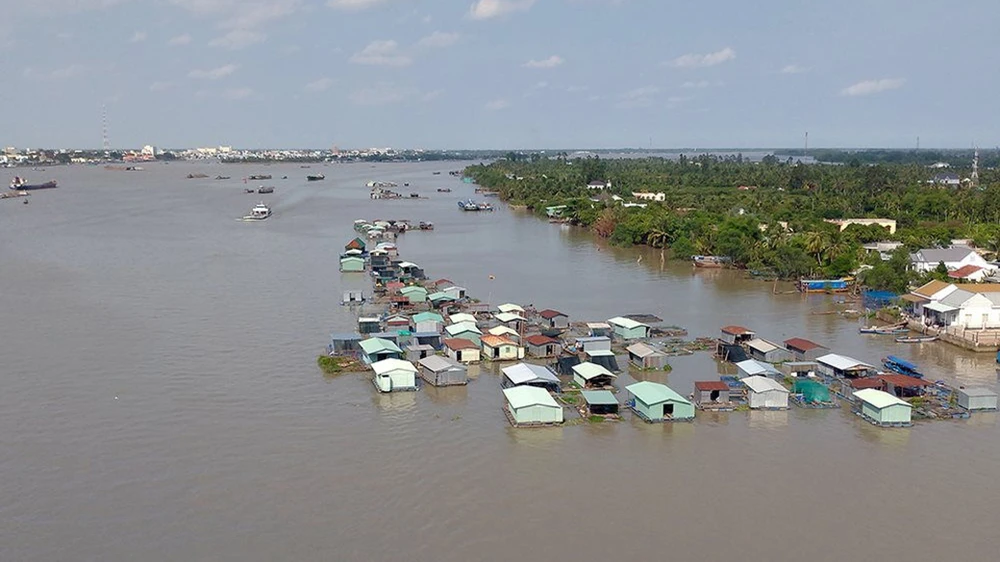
(265,189)
(485,207)
(414,196)
(444,190)
(259,212)
(708,261)
(437,173)
(825,285)
(901,366)
(196,176)
(468,205)
(222,177)
(21,184)
(317,177)
(426,225)
(883,330)
(916,339)
(249,190)
(259,177)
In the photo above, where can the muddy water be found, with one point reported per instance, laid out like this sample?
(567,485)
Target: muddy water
(161,402)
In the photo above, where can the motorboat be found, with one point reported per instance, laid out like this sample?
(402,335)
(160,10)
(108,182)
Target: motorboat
(259,212)
(317,177)
(265,189)
(21,184)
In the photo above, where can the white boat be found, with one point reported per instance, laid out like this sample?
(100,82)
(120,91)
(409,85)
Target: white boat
(258,213)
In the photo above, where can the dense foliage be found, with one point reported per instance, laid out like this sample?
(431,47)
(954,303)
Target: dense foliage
(765,216)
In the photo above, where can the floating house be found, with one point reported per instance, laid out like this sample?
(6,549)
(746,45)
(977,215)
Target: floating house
(903,386)
(353,297)
(590,375)
(455,292)
(464,330)
(432,339)
(977,399)
(369,325)
(374,350)
(427,322)
(707,393)
(397,322)
(752,368)
(463,317)
(414,293)
(542,346)
(763,350)
(392,375)
(765,393)
(554,319)
(594,343)
(462,350)
(600,402)
(344,344)
(443,371)
(505,332)
(417,351)
(736,335)
(352,264)
(527,405)
(440,299)
(565,363)
(628,329)
(512,320)
(603,357)
(851,386)
(510,308)
(527,374)
(883,409)
(656,402)
(500,348)
(834,365)
(805,350)
(356,244)
(646,357)
(599,329)
(797,369)
(411,270)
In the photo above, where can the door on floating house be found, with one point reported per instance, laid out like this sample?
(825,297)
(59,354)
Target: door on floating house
(668,410)
(714,396)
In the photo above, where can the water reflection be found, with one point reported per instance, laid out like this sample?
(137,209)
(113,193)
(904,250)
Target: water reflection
(539,437)
(394,402)
(767,419)
(894,437)
(446,395)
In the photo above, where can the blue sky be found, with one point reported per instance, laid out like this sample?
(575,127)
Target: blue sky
(499,73)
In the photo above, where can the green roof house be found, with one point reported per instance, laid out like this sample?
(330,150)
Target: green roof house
(414,293)
(656,402)
(628,329)
(530,405)
(352,264)
(377,349)
(883,409)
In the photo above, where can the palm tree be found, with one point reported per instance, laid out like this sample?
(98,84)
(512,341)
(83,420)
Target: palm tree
(815,245)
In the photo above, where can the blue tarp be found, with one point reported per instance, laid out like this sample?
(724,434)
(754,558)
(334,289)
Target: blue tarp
(878,299)
(901,362)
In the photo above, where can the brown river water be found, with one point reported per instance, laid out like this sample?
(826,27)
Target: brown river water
(160,398)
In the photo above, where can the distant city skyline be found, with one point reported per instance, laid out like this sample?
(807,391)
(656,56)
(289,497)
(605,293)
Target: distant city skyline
(497,74)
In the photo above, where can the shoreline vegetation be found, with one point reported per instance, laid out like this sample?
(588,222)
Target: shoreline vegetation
(768,217)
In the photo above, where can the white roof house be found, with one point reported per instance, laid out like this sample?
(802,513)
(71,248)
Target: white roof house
(752,367)
(837,364)
(506,317)
(462,317)
(461,328)
(764,392)
(953,258)
(510,307)
(529,374)
(879,399)
(503,331)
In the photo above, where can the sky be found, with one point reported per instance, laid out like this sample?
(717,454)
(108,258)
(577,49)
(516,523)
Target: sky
(503,74)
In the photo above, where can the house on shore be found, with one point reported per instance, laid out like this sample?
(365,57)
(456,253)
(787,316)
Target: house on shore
(600,402)
(628,329)
(883,409)
(804,350)
(500,348)
(655,402)
(374,350)
(462,350)
(542,346)
(953,257)
(392,375)
(590,375)
(977,399)
(443,371)
(527,374)
(711,393)
(527,406)
(763,350)
(765,393)
(554,319)
(646,357)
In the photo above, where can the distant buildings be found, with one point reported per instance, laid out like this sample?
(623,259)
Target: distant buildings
(889,224)
(954,258)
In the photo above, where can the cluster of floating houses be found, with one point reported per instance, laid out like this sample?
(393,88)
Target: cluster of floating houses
(430,331)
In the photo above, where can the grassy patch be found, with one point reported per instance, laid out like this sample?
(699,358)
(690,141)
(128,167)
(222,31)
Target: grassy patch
(570,399)
(332,365)
(596,419)
(743,408)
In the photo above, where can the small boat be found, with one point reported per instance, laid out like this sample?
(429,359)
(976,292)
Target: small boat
(901,366)
(407,184)
(437,173)
(222,177)
(259,212)
(249,190)
(916,339)
(265,189)
(196,176)
(469,205)
(825,285)
(426,225)
(444,190)
(21,184)
(318,177)
(259,177)
(415,196)
(708,261)
(485,207)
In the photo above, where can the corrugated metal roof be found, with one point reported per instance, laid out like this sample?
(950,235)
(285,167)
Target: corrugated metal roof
(964,271)
(598,325)
(904,381)
(626,323)
(428,317)
(496,341)
(936,255)
(461,328)
(510,307)
(539,340)
(927,290)
(653,393)
(459,343)
(761,345)
(643,350)
(601,353)
(956,298)
(758,383)
(736,330)
(439,296)
(710,385)
(387,365)
(527,372)
(508,317)
(590,370)
(910,297)
(549,314)
(940,307)
(524,396)
(379,345)
(437,364)
(462,317)
(599,397)
(413,289)
(865,382)
(878,399)
(841,362)
(502,331)
(588,339)
(801,344)
(753,367)
(978,391)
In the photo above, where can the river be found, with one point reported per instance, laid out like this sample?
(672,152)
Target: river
(161,399)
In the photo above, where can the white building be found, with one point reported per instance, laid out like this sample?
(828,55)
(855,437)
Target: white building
(649,196)
(953,258)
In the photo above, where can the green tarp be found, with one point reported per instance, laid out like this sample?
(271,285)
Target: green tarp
(811,391)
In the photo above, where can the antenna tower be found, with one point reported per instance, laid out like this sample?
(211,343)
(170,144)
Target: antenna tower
(807,140)
(106,141)
(975,168)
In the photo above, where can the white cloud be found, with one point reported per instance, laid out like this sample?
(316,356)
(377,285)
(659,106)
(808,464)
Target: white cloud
(439,39)
(431,96)
(238,39)
(551,62)
(487,9)
(381,94)
(867,87)
(353,4)
(381,53)
(793,69)
(66,72)
(638,97)
(214,73)
(138,37)
(321,85)
(160,86)
(577,89)
(242,21)
(692,60)
(184,39)
(497,104)
(698,84)
(237,93)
